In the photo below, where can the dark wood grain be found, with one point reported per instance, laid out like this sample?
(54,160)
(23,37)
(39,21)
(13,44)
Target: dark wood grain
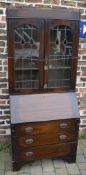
(65,151)
(32,141)
(41,13)
(55,150)
(45,127)
(49,141)
(75,46)
(10,49)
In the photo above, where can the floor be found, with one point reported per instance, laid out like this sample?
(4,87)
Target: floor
(47,166)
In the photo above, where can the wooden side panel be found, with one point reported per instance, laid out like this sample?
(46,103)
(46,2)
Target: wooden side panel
(75,29)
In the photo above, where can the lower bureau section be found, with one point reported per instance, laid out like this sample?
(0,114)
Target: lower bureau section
(57,150)
(48,139)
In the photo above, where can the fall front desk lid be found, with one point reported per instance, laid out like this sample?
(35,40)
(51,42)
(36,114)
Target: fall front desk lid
(43,107)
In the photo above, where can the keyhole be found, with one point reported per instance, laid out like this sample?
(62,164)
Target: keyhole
(57,42)
(65,42)
(22,41)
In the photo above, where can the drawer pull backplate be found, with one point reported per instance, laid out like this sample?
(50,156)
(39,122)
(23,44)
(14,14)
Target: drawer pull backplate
(62,137)
(29,153)
(29,141)
(63,125)
(28,129)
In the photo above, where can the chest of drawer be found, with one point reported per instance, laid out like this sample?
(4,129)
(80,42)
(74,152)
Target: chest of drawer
(36,128)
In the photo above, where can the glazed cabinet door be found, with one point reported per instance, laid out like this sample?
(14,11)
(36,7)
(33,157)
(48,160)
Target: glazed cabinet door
(61,55)
(25,55)
(42,55)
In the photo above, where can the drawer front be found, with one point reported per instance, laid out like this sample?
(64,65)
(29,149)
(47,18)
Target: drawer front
(37,140)
(45,151)
(45,127)
(34,128)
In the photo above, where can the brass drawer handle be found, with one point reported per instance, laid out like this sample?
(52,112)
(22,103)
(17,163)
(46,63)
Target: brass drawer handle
(28,129)
(29,141)
(62,137)
(28,154)
(63,125)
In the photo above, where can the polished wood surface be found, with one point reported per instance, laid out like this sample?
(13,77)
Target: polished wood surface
(55,150)
(61,13)
(45,127)
(32,141)
(44,133)
(36,140)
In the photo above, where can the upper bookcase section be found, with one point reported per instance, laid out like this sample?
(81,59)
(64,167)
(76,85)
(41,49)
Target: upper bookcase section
(42,49)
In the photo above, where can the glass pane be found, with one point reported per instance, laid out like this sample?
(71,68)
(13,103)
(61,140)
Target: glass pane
(56,83)
(61,40)
(59,74)
(59,61)
(25,75)
(60,55)
(27,46)
(23,85)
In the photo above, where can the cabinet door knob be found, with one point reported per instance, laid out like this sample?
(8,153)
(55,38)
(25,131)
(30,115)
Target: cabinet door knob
(62,137)
(28,129)
(29,141)
(63,125)
(28,154)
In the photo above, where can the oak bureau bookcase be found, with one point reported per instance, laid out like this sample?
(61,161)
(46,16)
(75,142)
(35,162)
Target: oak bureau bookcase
(42,65)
